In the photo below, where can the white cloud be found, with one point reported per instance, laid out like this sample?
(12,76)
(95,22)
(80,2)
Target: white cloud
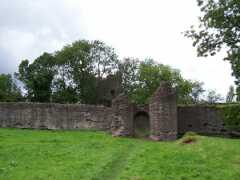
(139,28)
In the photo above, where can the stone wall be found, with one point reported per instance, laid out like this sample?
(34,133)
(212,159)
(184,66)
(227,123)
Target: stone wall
(201,119)
(163,113)
(54,116)
(122,122)
(166,119)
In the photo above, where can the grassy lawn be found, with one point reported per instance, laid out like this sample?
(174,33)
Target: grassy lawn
(27,154)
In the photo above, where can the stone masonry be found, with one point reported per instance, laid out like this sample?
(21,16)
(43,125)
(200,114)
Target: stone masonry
(122,117)
(165,118)
(55,116)
(163,113)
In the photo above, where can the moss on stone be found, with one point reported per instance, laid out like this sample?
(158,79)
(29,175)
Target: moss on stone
(230,115)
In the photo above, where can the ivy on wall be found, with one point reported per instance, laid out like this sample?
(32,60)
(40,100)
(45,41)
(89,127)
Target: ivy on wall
(231,115)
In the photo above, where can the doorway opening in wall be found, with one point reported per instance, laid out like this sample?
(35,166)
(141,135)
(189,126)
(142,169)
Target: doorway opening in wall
(141,125)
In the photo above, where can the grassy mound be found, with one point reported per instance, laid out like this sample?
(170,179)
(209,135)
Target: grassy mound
(189,138)
(27,154)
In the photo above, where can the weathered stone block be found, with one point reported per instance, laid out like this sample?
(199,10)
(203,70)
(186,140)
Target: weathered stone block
(163,113)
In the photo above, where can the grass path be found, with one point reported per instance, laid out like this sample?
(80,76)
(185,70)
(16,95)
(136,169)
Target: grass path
(70,155)
(116,165)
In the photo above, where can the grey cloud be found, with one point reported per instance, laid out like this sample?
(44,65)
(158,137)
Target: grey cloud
(28,28)
(5,62)
(32,16)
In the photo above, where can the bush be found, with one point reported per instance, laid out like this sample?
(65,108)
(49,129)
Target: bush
(190,133)
(231,116)
(188,138)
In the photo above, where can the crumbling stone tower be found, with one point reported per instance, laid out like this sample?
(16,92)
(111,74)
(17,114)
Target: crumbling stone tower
(163,113)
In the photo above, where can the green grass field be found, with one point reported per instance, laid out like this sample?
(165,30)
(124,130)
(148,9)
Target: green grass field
(32,154)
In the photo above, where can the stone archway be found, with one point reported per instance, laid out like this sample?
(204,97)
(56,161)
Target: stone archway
(141,124)
(156,120)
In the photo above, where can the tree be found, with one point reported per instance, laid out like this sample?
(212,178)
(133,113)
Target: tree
(213,97)
(104,59)
(81,66)
(37,77)
(197,91)
(70,75)
(219,29)
(230,95)
(148,76)
(75,76)
(238,92)
(128,71)
(189,92)
(63,93)
(9,92)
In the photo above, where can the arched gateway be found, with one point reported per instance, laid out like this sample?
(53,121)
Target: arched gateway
(157,120)
(141,125)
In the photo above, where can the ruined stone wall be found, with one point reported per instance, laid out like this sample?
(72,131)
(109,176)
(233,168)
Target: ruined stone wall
(122,122)
(54,116)
(140,108)
(201,119)
(163,113)
(166,120)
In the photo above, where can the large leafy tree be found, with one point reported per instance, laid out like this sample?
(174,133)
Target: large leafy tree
(219,28)
(79,73)
(149,76)
(143,78)
(82,65)
(196,91)
(230,95)
(128,72)
(75,81)
(70,75)
(104,59)
(189,91)
(37,77)
(213,97)
(104,64)
(9,92)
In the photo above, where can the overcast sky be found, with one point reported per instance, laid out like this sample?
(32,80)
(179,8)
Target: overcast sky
(135,28)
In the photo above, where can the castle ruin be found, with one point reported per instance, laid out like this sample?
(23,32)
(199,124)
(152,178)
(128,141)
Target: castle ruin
(161,119)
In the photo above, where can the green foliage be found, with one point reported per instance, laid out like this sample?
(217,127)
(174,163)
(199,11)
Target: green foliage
(197,91)
(9,92)
(64,94)
(219,29)
(141,80)
(104,59)
(213,97)
(104,64)
(74,77)
(128,70)
(190,133)
(37,77)
(70,75)
(77,73)
(230,95)
(238,92)
(188,140)
(231,116)
(34,154)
